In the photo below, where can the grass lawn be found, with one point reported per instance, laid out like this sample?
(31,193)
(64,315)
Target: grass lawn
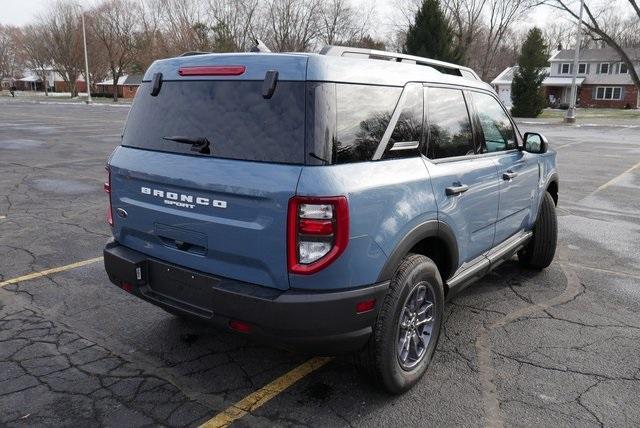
(587,113)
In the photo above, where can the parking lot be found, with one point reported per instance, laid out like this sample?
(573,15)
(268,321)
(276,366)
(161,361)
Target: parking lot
(554,348)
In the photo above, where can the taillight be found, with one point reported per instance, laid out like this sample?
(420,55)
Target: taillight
(212,70)
(107,189)
(318,232)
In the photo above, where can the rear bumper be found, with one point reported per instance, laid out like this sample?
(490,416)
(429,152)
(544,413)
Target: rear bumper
(322,323)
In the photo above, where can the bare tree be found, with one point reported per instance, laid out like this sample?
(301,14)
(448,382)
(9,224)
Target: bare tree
(466,20)
(502,14)
(151,38)
(596,27)
(63,35)
(235,23)
(97,56)
(38,58)
(185,23)
(559,34)
(10,59)
(114,25)
(341,23)
(293,25)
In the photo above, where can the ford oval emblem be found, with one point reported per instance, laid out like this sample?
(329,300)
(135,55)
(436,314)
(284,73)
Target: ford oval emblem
(121,213)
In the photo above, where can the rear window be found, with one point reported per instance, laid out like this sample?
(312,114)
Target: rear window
(232,115)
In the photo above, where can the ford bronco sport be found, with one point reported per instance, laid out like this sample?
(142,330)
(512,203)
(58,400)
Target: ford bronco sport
(328,203)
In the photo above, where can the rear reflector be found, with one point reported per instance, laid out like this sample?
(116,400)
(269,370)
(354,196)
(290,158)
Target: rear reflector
(126,287)
(240,326)
(365,306)
(212,70)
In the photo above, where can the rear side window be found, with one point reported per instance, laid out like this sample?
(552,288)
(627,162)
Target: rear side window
(496,126)
(238,122)
(363,114)
(450,132)
(407,133)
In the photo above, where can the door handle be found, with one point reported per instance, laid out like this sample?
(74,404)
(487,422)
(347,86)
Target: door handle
(456,190)
(509,175)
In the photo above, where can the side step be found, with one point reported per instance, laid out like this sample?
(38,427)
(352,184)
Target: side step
(487,262)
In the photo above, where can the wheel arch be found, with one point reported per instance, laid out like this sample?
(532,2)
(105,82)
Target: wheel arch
(434,239)
(552,187)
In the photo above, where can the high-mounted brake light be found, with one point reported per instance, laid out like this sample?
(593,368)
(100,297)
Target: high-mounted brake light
(212,70)
(107,189)
(317,232)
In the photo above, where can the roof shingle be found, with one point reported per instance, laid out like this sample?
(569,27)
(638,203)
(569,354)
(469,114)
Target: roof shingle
(601,54)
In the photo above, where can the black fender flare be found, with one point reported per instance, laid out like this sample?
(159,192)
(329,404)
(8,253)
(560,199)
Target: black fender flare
(552,178)
(428,229)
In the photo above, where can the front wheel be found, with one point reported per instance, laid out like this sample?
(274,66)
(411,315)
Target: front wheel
(539,252)
(408,326)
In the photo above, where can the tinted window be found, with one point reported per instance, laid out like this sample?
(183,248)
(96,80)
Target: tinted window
(408,128)
(363,114)
(450,132)
(238,122)
(496,126)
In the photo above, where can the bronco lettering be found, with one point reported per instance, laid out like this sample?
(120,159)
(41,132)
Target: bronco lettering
(186,201)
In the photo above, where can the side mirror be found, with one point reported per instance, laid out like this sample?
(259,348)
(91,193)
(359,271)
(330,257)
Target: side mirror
(535,143)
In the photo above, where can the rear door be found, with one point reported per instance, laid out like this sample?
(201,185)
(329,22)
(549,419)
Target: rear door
(465,185)
(517,169)
(221,211)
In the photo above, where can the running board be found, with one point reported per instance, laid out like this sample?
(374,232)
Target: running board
(487,262)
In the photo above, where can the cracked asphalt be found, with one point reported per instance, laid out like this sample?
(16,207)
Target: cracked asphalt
(559,347)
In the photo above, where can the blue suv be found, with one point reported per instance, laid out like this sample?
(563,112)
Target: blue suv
(328,203)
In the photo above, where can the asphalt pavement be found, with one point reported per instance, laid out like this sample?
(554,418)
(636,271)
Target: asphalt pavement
(559,347)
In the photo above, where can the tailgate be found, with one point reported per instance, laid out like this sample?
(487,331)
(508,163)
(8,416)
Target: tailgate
(219,216)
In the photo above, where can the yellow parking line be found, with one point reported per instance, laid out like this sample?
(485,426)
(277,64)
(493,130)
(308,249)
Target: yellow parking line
(49,272)
(610,182)
(258,398)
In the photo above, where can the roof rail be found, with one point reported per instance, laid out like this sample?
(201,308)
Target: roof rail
(192,53)
(443,67)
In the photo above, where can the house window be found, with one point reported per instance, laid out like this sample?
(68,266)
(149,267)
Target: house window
(617,92)
(623,68)
(582,68)
(604,68)
(565,68)
(608,93)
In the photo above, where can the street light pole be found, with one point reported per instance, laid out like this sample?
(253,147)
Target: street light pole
(87,80)
(570,117)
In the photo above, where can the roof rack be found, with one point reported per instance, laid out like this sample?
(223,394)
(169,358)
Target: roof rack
(443,67)
(192,53)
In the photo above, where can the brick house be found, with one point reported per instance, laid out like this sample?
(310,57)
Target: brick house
(603,79)
(61,86)
(127,86)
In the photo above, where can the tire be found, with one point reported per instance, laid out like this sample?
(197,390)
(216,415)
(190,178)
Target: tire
(382,357)
(539,252)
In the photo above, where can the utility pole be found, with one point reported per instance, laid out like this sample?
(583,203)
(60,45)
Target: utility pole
(570,117)
(87,80)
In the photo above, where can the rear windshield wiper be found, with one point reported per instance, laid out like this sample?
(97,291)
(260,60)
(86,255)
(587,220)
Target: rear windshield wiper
(200,145)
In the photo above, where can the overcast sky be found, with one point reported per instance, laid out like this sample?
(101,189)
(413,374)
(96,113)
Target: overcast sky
(20,12)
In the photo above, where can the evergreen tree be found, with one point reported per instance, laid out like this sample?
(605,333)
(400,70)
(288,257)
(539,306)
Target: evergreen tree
(526,94)
(431,35)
